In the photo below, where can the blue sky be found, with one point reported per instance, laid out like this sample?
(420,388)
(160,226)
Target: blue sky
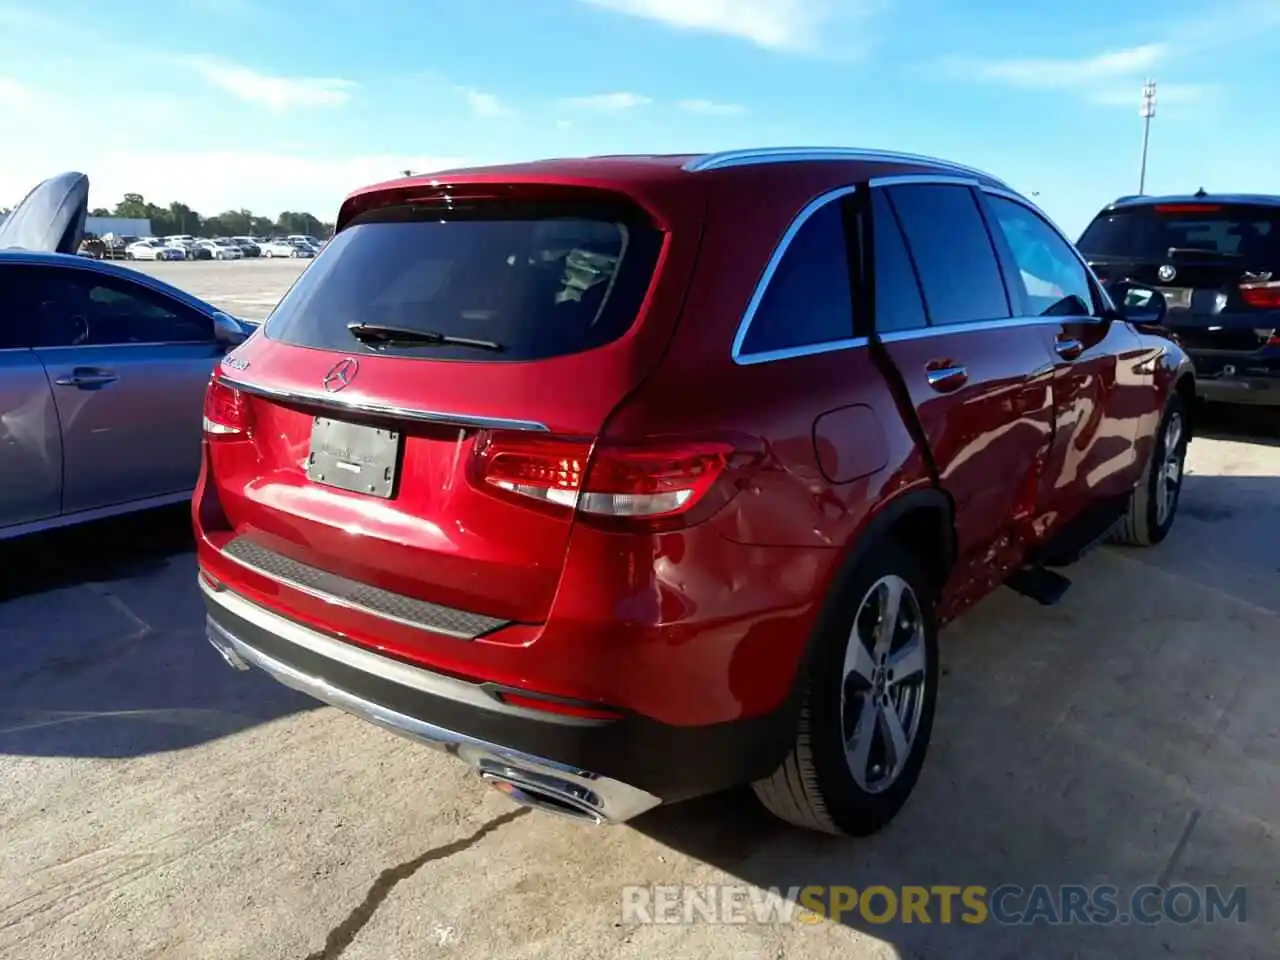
(288,104)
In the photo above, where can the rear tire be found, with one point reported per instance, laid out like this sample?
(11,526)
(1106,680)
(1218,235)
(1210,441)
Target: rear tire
(867,689)
(1154,504)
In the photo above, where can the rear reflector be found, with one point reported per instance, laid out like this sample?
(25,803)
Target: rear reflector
(226,411)
(584,711)
(661,481)
(1265,296)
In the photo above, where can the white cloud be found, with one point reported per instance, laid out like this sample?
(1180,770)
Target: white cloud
(1054,73)
(608,102)
(485,104)
(16,97)
(790,25)
(277,94)
(711,108)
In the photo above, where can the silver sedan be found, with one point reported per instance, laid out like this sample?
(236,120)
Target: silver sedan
(102,374)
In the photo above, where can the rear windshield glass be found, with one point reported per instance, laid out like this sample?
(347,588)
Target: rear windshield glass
(515,281)
(1248,235)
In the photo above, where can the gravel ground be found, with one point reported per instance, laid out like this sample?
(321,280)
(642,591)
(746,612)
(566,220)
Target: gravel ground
(154,803)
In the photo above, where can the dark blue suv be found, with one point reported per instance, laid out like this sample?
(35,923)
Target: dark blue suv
(1216,260)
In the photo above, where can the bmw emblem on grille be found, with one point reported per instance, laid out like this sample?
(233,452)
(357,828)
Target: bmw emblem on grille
(341,374)
(1166,272)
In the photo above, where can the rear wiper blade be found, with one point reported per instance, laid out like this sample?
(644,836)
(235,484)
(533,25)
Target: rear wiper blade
(1201,252)
(387,334)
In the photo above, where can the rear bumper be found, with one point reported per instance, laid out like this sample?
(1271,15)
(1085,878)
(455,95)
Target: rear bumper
(1246,379)
(592,769)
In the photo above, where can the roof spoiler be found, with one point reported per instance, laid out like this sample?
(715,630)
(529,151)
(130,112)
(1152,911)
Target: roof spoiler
(51,217)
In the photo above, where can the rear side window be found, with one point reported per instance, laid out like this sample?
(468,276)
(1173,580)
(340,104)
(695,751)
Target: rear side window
(897,292)
(1248,234)
(807,301)
(953,254)
(526,281)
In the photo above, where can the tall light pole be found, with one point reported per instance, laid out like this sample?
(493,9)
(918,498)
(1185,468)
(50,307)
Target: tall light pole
(1146,112)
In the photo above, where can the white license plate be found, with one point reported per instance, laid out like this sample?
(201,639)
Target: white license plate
(1176,298)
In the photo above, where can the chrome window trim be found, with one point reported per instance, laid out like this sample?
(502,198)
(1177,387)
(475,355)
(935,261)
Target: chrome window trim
(923,179)
(762,286)
(1090,276)
(761,155)
(808,350)
(385,410)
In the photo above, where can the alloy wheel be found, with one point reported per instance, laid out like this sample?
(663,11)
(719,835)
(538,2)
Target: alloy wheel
(1169,477)
(883,694)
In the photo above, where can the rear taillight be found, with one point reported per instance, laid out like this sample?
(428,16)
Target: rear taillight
(226,411)
(659,483)
(1263,295)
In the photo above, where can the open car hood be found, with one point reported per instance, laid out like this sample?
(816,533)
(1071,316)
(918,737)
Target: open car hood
(51,217)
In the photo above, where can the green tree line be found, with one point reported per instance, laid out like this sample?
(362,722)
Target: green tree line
(180,218)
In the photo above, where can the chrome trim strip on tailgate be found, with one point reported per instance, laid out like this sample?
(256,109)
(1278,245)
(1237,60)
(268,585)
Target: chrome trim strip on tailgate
(385,410)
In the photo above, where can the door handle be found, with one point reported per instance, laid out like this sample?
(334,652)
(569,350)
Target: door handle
(85,378)
(945,377)
(1068,347)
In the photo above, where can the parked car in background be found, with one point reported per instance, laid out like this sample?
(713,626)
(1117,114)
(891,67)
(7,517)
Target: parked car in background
(117,245)
(1216,260)
(248,246)
(92,247)
(787,439)
(183,242)
(153,249)
(286,248)
(221,249)
(102,373)
(305,239)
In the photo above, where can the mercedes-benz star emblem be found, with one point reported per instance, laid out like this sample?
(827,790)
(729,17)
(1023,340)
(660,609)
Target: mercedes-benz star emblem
(341,374)
(1166,272)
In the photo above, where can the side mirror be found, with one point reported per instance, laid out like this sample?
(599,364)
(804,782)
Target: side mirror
(227,330)
(1139,305)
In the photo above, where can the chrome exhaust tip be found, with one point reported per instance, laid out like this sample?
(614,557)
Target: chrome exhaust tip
(561,798)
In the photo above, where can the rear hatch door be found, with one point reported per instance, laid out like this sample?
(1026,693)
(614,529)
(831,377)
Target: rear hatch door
(1213,262)
(428,335)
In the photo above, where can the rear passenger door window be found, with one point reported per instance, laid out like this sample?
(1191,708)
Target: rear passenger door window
(1052,275)
(952,251)
(807,302)
(898,305)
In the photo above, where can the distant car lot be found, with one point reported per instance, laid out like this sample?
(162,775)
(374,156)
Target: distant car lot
(155,803)
(244,288)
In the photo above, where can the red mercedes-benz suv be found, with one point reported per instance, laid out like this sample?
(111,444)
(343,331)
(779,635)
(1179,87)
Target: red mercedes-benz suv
(629,479)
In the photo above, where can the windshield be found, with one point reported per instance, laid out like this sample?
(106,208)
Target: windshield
(1246,234)
(540,280)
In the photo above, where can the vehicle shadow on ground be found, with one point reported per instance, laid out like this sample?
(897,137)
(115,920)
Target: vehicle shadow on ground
(1061,755)
(102,648)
